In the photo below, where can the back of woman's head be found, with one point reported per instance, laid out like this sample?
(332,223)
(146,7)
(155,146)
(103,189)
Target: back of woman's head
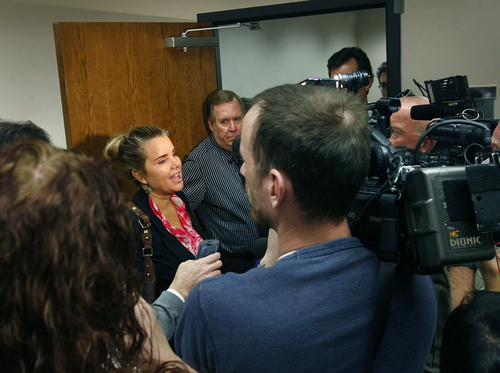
(67,284)
(128,148)
(471,337)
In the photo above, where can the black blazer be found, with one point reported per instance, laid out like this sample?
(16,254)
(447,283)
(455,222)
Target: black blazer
(168,252)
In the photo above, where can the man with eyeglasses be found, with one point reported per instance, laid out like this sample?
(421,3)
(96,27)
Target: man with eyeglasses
(382,78)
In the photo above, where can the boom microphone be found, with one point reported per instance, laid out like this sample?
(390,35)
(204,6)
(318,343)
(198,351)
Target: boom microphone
(425,112)
(432,111)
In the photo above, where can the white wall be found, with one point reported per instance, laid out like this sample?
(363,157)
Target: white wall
(439,39)
(29,80)
(291,50)
(186,10)
(284,51)
(370,37)
(451,37)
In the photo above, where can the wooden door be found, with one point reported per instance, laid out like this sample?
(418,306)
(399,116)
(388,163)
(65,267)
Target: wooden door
(115,76)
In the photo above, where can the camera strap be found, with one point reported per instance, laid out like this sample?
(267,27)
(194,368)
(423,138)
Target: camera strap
(149,278)
(389,259)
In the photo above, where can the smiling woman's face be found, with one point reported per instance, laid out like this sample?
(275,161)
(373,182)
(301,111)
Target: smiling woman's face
(163,168)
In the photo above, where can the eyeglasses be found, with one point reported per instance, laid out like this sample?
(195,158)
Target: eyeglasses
(383,86)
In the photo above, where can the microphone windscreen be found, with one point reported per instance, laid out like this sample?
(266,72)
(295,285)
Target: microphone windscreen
(425,112)
(259,247)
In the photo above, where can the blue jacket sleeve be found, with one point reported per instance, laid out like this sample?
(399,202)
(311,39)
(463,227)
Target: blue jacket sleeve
(193,342)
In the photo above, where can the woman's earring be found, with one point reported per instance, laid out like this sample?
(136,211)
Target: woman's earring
(148,190)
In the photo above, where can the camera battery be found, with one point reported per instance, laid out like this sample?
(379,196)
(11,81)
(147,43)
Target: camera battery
(440,218)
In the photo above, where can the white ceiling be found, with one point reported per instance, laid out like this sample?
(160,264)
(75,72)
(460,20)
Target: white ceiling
(183,10)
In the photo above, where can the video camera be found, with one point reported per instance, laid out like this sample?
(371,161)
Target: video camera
(434,209)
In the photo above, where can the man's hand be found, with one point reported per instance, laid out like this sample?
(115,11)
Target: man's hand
(191,272)
(462,283)
(490,273)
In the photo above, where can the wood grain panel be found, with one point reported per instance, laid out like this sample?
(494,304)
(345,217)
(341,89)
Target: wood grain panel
(115,76)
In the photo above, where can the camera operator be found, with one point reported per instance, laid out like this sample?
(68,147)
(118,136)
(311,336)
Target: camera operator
(455,282)
(382,78)
(406,131)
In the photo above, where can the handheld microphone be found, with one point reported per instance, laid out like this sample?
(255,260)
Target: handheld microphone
(236,147)
(350,82)
(353,81)
(259,247)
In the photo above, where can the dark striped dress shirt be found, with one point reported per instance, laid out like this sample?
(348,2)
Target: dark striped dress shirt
(215,188)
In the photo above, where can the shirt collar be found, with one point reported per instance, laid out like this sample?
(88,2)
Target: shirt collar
(287,254)
(224,152)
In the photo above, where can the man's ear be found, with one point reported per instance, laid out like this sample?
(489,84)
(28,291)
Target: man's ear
(141,179)
(370,82)
(427,145)
(210,125)
(277,187)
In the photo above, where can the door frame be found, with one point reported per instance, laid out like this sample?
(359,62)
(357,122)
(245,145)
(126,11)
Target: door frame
(393,11)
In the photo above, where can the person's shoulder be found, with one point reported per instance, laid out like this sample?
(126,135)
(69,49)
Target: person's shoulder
(140,197)
(229,285)
(141,202)
(200,151)
(340,246)
(182,196)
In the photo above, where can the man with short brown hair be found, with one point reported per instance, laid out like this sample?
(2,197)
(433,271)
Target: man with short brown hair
(214,186)
(306,153)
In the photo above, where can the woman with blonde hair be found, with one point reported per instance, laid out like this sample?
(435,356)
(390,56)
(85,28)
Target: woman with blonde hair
(149,159)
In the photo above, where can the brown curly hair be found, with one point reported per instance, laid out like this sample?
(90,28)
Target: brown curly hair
(67,283)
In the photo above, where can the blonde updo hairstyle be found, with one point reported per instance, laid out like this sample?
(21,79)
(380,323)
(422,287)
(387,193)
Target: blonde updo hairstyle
(128,148)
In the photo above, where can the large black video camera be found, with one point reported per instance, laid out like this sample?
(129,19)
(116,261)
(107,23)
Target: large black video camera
(433,209)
